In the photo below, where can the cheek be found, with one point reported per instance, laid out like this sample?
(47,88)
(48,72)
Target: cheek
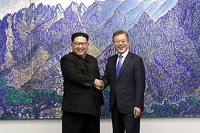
(86,48)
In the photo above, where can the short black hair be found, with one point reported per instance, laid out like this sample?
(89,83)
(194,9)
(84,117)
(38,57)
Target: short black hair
(79,34)
(119,32)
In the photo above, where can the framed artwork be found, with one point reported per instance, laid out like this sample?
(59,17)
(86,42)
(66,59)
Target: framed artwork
(35,34)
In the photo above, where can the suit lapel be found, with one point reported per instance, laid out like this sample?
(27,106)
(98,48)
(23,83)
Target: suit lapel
(125,64)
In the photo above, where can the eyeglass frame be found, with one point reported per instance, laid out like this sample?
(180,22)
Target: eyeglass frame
(83,44)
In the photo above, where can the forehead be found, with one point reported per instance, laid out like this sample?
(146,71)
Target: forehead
(79,38)
(120,36)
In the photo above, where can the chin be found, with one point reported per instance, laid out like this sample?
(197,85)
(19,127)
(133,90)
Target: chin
(121,52)
(80,55)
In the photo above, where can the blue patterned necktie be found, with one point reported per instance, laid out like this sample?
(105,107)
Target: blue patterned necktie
(119,64)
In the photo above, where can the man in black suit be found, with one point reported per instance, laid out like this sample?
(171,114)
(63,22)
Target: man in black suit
(126,86)
(81,101)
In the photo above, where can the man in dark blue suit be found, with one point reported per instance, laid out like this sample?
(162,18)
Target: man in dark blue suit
(126,88)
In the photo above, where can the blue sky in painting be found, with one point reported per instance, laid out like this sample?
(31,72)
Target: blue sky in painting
(16,5)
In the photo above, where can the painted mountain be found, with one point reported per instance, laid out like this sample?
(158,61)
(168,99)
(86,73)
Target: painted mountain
(165,33)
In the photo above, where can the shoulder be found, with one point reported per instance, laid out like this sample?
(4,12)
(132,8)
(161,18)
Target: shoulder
(113,57)
(90,57)
(68,56)
(134,55)
(136,58)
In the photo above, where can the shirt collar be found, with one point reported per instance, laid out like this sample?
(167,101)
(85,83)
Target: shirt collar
(124,54)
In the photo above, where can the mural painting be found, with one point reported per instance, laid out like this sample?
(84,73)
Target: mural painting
(35,34)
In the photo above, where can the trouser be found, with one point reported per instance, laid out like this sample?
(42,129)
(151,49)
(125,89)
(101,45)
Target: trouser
(80,123)
(124,122)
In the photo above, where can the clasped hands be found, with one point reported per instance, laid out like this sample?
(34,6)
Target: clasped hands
(98,84)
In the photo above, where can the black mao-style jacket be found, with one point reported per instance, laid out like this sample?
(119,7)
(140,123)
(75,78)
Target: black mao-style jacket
(79,74)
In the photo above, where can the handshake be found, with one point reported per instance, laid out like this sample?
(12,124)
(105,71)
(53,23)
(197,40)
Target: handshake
(98,84)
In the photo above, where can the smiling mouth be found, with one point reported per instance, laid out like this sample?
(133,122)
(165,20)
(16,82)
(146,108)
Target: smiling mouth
(121,47)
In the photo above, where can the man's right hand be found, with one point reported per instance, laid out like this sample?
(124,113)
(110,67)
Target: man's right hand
(98,84)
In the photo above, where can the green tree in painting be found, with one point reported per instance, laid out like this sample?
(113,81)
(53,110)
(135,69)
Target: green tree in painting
(12,101)
(43,100)
(3,86)
(163,110)
(16,103)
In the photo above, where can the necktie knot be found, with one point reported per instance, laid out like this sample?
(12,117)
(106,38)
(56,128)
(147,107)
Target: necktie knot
(120,56)
(119,64)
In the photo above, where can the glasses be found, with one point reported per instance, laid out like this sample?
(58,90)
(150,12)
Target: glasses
(118,41)
(83,44)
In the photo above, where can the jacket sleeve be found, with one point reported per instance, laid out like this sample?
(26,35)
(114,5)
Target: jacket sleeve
(140,83)
(105,77)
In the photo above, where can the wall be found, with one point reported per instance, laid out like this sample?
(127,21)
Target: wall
(148,125)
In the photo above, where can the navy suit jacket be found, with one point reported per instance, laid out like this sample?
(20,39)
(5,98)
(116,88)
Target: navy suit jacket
(128,88)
